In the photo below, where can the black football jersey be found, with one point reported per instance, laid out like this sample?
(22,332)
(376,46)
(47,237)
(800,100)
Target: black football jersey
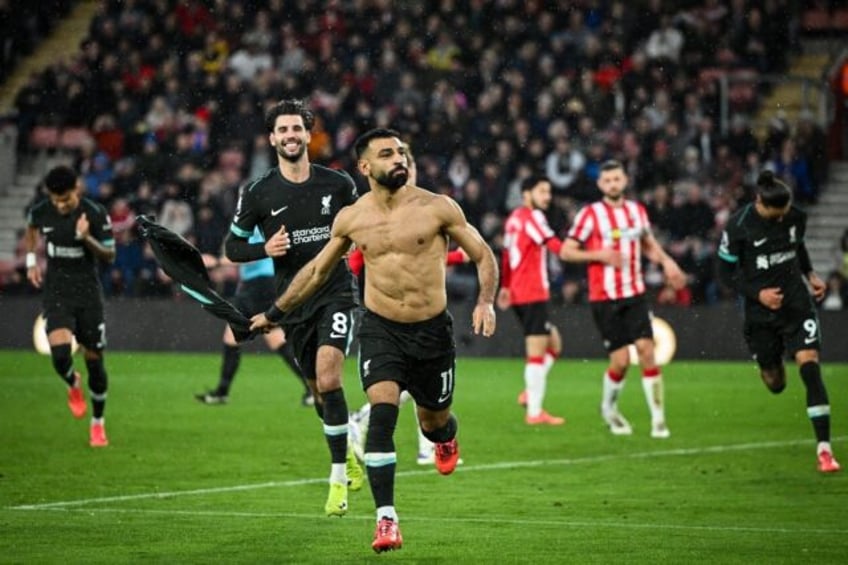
(72,268)
(307,210)
(766,253)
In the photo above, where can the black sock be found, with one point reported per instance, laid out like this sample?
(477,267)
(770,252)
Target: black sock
(818,405)
(229,366)
(443,434)
(63,362)
(380,440)
(98,383)
(335,424)
(287,353)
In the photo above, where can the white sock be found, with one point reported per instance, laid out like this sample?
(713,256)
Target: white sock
(100,421)
(549,362)
(338,474)
(534,382)
(364,413)
(823,446)
(424,444)
(611,391)
(387,512)
(653,387)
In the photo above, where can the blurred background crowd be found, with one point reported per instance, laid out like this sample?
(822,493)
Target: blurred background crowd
(166,101)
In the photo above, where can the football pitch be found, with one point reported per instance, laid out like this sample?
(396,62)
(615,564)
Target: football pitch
(183,482)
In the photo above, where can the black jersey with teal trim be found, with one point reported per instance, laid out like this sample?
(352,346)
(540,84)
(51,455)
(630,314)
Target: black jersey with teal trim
(307,210)
(766,254)
(72,269)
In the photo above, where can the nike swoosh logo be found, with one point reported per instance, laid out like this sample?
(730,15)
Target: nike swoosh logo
(278,210)
(759,242)
(809,340)
(47,230)
(442,399)
(336,336)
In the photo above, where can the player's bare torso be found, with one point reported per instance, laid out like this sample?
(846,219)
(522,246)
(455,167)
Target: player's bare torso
(404,247)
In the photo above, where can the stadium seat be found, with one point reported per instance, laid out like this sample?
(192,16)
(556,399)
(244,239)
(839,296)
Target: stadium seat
(840,19)
(815,20)
(74,139)
(44,138)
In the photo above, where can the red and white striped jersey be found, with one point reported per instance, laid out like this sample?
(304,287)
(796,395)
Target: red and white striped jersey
(524,270)
(599,226)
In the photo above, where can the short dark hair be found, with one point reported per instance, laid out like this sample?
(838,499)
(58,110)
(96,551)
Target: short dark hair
(773,192)
(60,179)
(611,165)
(530,182)
(363,140)
(289,107)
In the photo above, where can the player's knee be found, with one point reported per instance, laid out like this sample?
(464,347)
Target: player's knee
(97,379)
(61,357)
(381,428)
(774,378)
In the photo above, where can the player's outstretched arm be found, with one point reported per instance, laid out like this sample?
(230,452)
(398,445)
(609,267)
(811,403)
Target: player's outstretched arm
(470,240)
(309,278)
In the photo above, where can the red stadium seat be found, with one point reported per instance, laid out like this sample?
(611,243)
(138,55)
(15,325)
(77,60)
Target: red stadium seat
(840,19)
(75,138)
(44,137)
(815,20)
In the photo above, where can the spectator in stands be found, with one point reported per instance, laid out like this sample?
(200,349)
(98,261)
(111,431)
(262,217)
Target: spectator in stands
(842,255)
(810,142)
(835,295)
(503,80)
(665,42)
(563,165)
(740,139)
(793,169)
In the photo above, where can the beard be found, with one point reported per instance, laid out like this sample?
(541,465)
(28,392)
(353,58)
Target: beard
(293,157)
(615,197)
(394,179)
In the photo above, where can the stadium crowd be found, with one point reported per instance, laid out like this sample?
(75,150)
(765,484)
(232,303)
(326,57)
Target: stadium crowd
(162,107)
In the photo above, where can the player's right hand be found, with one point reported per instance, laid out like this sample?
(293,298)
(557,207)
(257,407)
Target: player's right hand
(771,297)
(610,257)
(278,244)
(34,276)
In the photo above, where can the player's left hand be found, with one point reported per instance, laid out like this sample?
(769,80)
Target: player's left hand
(82,226)
(818,286)
(260,323)
(483,319)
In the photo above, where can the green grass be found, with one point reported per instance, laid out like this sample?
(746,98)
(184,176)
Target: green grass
(182,482)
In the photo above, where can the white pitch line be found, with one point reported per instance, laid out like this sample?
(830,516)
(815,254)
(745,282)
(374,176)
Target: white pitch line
(442,519)
(463,469)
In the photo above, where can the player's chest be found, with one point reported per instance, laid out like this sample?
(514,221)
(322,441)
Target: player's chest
(60,230)
(618,225)
(301,207)
(405,232)
(772,238)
